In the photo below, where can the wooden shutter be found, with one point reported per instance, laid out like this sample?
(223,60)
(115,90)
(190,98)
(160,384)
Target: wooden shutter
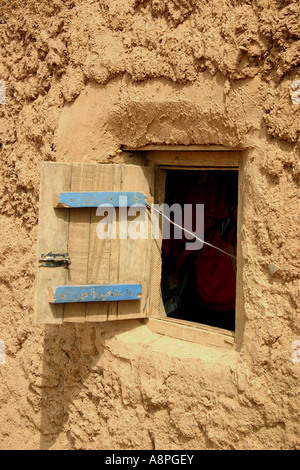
(101,271)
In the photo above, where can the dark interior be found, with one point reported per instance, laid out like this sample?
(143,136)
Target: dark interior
(200,285)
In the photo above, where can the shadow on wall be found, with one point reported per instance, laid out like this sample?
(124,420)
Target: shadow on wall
(73,386)
(65,369)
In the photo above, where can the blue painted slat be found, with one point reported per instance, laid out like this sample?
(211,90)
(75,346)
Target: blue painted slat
(95,293)
(99,198)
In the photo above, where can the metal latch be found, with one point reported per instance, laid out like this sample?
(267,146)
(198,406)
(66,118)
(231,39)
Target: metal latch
(53,260)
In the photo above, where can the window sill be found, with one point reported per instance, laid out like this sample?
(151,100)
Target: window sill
(192,332)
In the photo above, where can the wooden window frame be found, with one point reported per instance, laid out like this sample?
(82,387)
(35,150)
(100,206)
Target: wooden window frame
(55,226)
(200,158)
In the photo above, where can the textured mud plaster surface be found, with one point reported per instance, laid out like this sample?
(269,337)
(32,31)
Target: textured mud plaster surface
(82,78)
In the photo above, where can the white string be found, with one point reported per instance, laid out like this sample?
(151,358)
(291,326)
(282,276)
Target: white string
(191,233)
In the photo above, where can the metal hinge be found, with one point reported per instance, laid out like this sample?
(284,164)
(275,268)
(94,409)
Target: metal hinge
(55,260)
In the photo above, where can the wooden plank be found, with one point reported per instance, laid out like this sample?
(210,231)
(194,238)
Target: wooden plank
(239,304)
(115,250)
(79,239)
(135,254)
(201,159)
(182,148)
(98,198)
(203,327)
(101,267)
(192,333)
(52,237)
(94,293)
(156,268)
(199,168)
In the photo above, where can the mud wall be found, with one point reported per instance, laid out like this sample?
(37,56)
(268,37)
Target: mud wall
(82,78)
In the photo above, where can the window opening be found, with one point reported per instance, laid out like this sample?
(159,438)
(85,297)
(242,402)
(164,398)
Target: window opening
(200,285)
